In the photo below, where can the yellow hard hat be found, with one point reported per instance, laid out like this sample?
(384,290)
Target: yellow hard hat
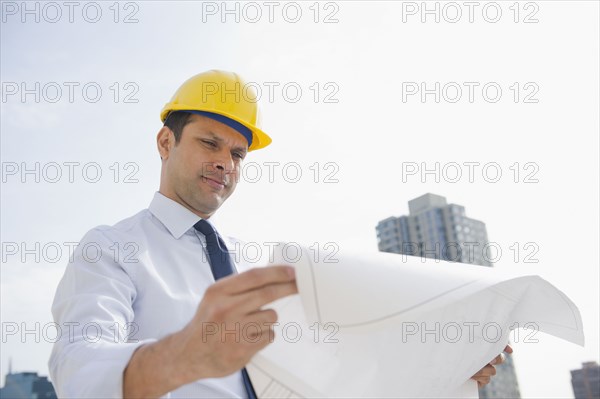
(222,93)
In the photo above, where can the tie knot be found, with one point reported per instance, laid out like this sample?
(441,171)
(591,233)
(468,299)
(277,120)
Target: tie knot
(205,228)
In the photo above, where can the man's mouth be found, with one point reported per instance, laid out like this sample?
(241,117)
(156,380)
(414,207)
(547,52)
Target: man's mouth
(215,182)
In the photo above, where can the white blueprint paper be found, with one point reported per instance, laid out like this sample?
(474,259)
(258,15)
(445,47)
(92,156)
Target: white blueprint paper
(388,325)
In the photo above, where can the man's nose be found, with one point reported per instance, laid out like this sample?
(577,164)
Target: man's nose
(224,162)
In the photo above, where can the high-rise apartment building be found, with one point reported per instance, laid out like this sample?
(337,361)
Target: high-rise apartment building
(435,229)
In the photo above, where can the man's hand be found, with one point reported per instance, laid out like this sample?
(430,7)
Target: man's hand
(484,375)
(228,328)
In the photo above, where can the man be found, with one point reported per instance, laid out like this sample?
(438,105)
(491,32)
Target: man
(138,304)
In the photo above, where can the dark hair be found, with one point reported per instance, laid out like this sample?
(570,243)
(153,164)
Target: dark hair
(176,121)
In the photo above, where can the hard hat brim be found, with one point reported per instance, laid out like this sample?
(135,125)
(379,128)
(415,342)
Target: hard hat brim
(259,138)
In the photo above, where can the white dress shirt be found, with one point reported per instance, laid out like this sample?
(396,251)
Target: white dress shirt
(149,273)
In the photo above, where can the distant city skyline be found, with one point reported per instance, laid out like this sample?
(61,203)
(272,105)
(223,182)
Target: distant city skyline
(586,381)
(26,385)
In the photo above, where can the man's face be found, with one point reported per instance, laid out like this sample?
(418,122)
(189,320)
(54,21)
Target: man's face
(201,171)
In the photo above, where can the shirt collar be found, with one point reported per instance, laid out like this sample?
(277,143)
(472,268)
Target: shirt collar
(174,216)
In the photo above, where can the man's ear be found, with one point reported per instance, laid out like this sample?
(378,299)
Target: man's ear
(165,141)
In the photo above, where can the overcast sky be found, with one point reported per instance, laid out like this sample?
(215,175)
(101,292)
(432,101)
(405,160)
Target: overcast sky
(348,94)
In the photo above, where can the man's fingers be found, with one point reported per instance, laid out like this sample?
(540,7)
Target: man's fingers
(255,278)
(264,339)
(501,358)
(265,318)
(487,371)
(483,381)
(250,302)
(257,329)
(498,359)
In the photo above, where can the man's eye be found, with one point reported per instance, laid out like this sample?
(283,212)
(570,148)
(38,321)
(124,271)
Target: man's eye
(209,143)
(238,155)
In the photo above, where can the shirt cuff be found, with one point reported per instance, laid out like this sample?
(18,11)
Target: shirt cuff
(91,370)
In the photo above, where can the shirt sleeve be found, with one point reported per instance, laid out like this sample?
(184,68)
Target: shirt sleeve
(93,309)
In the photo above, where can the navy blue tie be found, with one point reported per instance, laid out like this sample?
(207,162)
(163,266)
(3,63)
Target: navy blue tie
(221,266)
